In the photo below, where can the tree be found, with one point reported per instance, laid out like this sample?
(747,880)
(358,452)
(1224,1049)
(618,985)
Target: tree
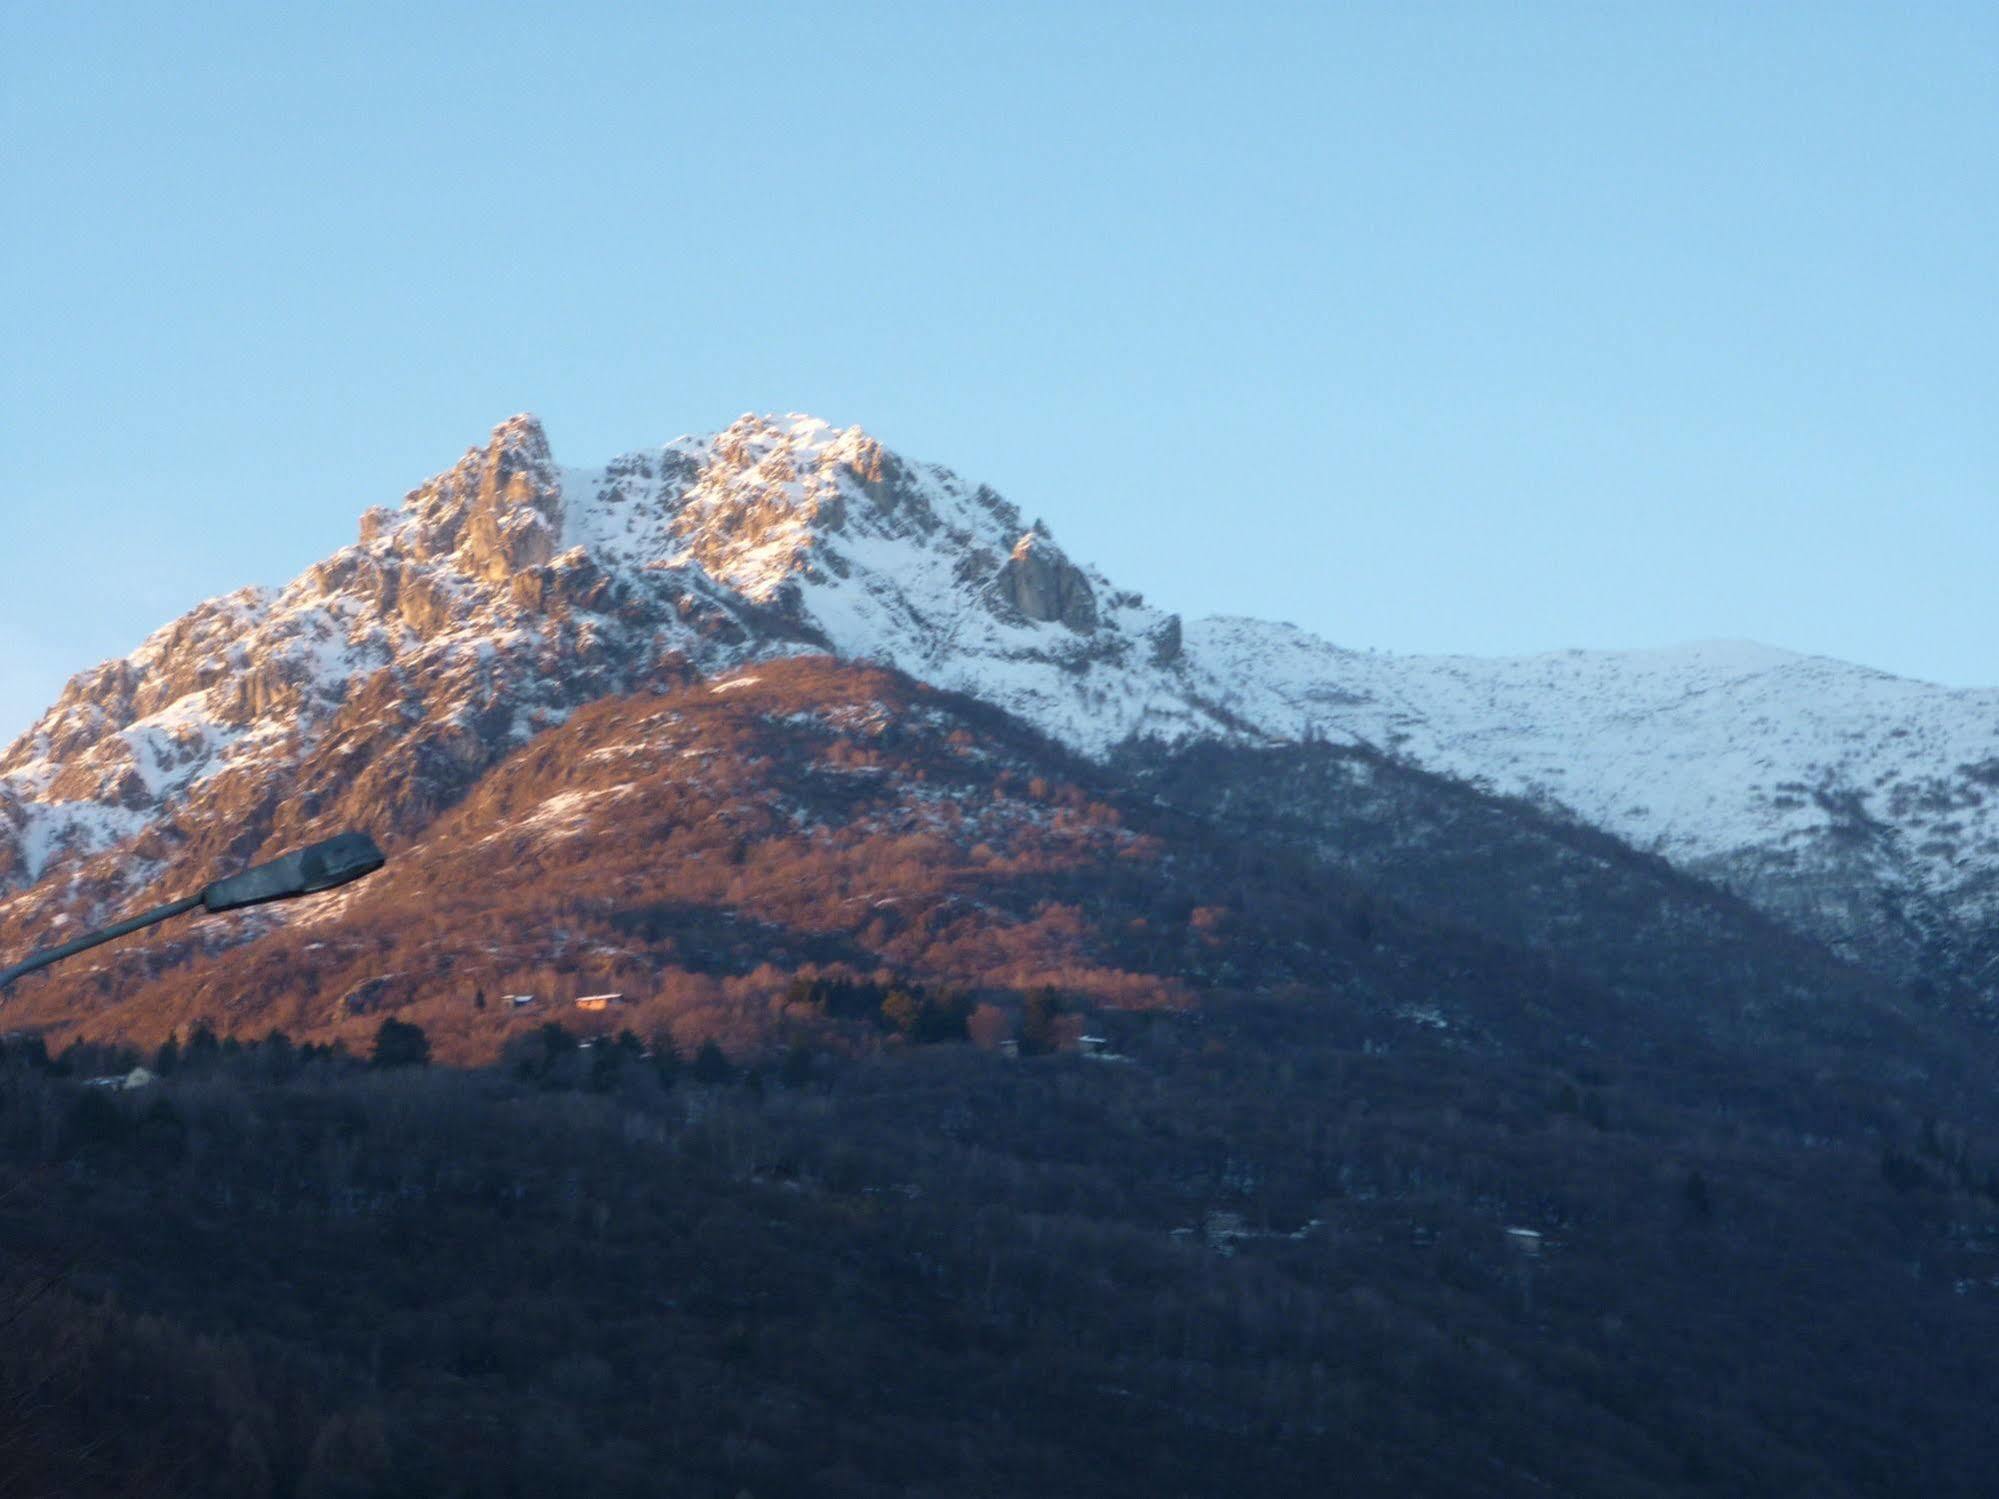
(400,1044)
(1902,1172)
(1699,1201)
(665,1058)
(280,1057)
(348,1456)
(95,1120)
(796,1070)
(247,1470)
(943,1016)
(608,1060)
(1037,1021)
(901,1011)
(711,1067)
(989,1026)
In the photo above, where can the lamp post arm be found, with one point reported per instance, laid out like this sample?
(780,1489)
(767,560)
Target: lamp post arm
(325,866)
(97,939)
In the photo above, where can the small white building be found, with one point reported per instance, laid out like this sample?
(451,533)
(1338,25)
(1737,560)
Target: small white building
(123,1082)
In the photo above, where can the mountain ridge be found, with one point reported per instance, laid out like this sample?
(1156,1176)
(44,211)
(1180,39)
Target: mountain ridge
(508,590)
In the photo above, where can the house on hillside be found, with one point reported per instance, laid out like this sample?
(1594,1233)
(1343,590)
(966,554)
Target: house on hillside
(1527,1241)
(518,1001)
(138,1077)
(596,1002)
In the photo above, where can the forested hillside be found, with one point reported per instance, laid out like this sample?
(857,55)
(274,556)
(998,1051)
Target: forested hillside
(973,1118)
(1274,1251)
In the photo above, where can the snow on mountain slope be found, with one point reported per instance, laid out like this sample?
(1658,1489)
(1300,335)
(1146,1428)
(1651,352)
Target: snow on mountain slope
(1861,806)
(508,591)
(896,562)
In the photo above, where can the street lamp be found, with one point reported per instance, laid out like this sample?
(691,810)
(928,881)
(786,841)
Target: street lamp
(307,872)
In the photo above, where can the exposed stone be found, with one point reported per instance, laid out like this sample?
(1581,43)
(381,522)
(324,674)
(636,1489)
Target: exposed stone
(500,509)
(267,686)
(426,604)
(381,584)
(105,774)
(1046,586)
(572,580)
(884,481)
(512,532)
(376,522)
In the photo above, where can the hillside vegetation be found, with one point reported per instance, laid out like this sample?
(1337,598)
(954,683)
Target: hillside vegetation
(979,1120)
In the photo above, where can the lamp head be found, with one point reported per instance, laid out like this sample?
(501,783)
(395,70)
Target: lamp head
(338,861)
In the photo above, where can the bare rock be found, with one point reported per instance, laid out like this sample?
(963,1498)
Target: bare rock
(1046,586)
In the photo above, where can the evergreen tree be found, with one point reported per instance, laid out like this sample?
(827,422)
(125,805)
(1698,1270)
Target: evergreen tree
(796,1070)
(606,1062)
(1699,1201)
(1037,1022)
(280,1057)
(711,1067)
(665,1058)
(400,1044)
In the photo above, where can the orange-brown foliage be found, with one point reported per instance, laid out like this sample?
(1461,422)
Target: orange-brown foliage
(692,850)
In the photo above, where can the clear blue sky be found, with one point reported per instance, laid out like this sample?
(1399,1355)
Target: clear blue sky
(1483,328)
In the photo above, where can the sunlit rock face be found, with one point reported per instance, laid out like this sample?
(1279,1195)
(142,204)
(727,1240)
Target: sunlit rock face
(496,513)
(1045,586)
(509,590)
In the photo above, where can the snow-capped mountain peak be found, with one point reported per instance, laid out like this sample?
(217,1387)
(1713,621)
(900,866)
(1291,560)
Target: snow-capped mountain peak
(508,590)
(496,513)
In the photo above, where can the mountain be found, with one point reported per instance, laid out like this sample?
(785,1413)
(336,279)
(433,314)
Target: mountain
(1857,806)
(720,852)
(506,592)
(1053,1049)
(1394,1130)
(381,685)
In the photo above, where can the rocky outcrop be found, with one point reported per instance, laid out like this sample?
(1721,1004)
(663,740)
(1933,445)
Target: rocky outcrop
(13,857)
(496,513)
(1045,586)
(571,581)
(514,521)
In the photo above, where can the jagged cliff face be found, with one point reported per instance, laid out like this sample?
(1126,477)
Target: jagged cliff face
(382,684)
